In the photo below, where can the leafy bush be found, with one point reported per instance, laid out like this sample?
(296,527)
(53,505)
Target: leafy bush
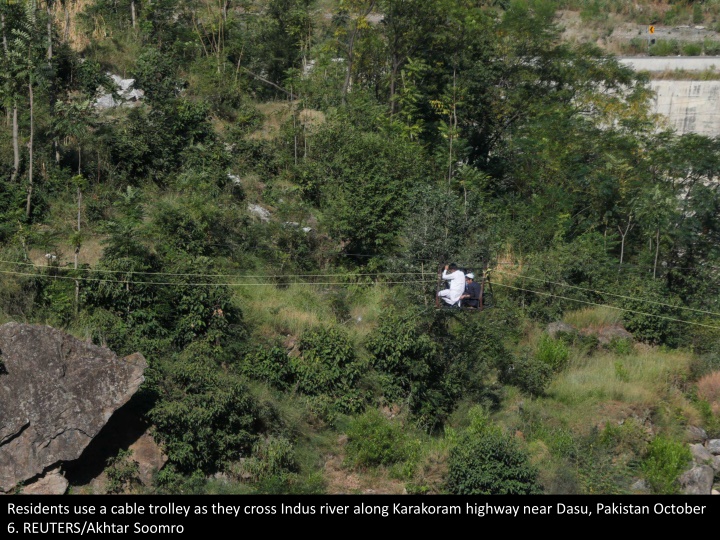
(328,369)
(122,472)
(648,322)
(271,457)
(490,463)
(664,47)
(375,440)
(552,352)
(664,462)
(431,362)
(692,49)
(271,365)
(620,346)
(204,416)
(527,373)
(704,364)
(712,48)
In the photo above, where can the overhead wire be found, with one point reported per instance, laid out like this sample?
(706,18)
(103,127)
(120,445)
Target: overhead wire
(206,284)
(179,274)
(608,306)
(645,300)
(336,282)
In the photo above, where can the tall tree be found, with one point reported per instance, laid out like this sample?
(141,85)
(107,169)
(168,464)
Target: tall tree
(359,11)
(26,55)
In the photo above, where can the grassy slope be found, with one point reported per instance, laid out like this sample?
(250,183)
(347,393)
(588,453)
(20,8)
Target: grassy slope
(645,389)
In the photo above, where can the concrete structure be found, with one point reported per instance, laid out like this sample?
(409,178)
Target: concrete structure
(671,63)
(690,106)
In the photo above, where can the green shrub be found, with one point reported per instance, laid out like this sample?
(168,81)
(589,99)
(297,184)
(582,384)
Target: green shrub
(620,346)
(712,48)
(652,323)
(698,16)
(637,45)
(664,47)
(431,362)
(205,417)
(552,352)
(692,49)
(527,373)
(271,457)
(271,365)
(664,462)
(703,364)
(621,372)
(328,369)
(490,463)
(375,440)
(122,472)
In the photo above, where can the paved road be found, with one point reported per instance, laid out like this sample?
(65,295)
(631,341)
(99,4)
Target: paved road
(671,63)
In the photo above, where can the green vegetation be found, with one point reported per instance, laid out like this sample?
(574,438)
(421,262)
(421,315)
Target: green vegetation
(488,462)
(265,225)
(664,462)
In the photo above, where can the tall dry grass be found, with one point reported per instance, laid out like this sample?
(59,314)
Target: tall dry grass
(708,389)
(605,384)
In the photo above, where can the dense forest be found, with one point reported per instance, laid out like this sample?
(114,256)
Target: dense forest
(265,218)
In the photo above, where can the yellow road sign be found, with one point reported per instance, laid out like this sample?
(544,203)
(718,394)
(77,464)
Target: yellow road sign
(651,29)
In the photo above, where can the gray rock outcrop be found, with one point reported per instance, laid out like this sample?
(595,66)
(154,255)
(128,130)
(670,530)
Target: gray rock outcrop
(56,394)
(555,328)
(51,483)
(713,446)
(697,481)
(149,457)
(695,434)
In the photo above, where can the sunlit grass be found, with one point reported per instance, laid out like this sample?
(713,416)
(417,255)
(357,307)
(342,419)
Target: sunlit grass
(274,311)
(593,317)
(599,388)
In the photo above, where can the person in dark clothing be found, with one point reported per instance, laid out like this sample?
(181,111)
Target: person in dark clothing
(471,297)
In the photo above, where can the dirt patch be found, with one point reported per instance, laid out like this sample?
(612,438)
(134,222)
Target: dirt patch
(616,412)
(340,480)
(277,113)
(63,255)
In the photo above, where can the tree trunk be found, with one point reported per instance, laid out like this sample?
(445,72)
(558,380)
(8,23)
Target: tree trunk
(393,77)
(77,249)
(30,146)
(351,47)
(132,12)
(48,6)
(16,142)
(623,235)
(67,23)
(657,252)
(15,134)
(453,125)
(2,23)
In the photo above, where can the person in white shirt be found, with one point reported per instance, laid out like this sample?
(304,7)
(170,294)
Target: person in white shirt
(456,279)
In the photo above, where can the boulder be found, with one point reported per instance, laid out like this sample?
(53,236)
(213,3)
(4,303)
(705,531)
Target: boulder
(149,457)
(695,434)
(56,394)
(558,327)
(51,483)
(640,487)
(700,454)
(615,332)
(697,481)
(260,212)
(713,446)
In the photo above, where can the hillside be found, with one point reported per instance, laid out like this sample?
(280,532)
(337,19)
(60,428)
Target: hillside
(263,212)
